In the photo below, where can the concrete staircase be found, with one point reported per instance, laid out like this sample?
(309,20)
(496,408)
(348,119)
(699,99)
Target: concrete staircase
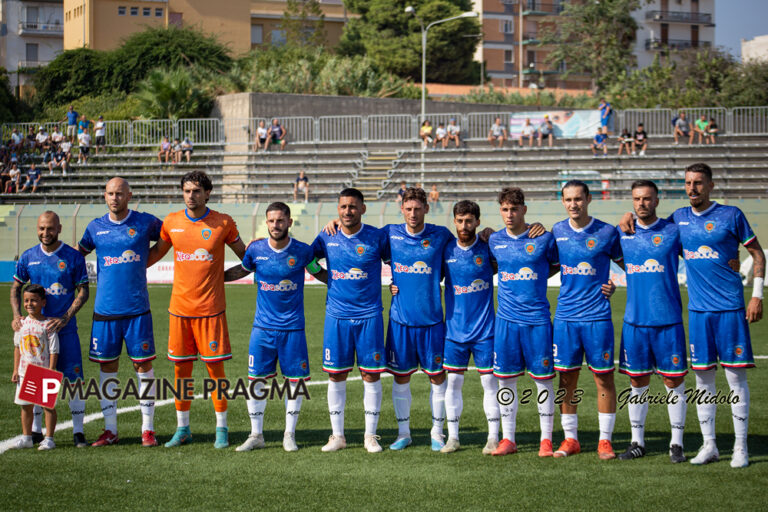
(375,172)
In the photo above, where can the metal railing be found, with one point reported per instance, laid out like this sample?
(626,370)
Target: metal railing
(675,44)
(536,7)
(45,28)
(679,17)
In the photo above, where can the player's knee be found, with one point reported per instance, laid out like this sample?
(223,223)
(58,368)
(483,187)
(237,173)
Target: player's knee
(673,382)
(111,366)
(340,377)
(143,367)
(437,379)
(402,379)
(370,377)
(641,382)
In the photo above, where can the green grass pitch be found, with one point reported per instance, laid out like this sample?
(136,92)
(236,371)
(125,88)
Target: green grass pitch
(198,477)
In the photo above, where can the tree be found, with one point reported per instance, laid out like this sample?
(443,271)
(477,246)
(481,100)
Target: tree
(304,23)
(8,103)
(172,94)
(594,38)
(392,38)
(71,75)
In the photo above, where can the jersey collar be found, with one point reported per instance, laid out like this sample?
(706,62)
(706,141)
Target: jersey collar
(467,248)
(414,235)
(278,251)
(699,214)
(362,225)
(207,211)
(118,222)
(42,249)
(517,237)
(580,230)
(642,226)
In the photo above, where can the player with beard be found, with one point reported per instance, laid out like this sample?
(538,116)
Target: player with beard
(278,263)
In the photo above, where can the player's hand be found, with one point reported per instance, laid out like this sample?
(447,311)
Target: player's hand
(330,228)
(16,323)
(754,310)
(734,264)
(15,377)
(627,223)
(535,230)
(485,234)
(608,289)
(57,324)
(393,289)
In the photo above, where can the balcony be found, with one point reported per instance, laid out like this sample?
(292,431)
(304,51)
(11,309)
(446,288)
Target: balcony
(530,39)
(37,28)
(32,64)
(537,8)
(674,44)
(690,18)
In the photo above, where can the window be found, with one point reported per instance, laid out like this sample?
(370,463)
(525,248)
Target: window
(257,34)
(509,56)
(32,14)
(121,10)
(507,26)
(278,37)
(31,52)
(134,11)
(159,12)
(146,11)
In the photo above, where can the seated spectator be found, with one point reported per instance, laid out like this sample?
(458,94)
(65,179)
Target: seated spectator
(84,143)
(600,142)
(16,141)
(426,133)
(625,142)
(4,177)
(712,131)
(33,177)
(434,196)
(186,148)
(401,192)
(42,140)
(176,151)
(683,129)
(56,137)
(14,176)
(165,151)
(261,137)
(441,136)
(277,135)
(31,141)
(301,185)
(528,132)
(640,140)
(454,133)
(497,133)
(546,131)
(100,132)
(701,128)
(61,157)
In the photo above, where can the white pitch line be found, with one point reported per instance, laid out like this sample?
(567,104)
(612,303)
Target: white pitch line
(66,425)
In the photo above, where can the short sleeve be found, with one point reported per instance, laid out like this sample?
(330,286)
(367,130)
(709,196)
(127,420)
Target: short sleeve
(318,247)
(164,234)
(553,257)
(80,271)
(249,261)
(232,235)
(53,342)
(743,230)
(86,242)
(386,252)
(17,339)
(155,226)
(615,247)
(21,275)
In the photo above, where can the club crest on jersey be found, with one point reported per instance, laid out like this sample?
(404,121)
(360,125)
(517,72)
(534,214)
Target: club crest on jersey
(76,370)
(377,356)
(145,346)
(214,345)
(425,243)
(545,362)
(738,350)
(62,265)
(131,232)
(438,359)
(675,359)
(657,239)
(591,243)
(709,226)
(360,249)
(479,261)
(606,356)
(291,261)
(529,247)
(303,365)
(206,233)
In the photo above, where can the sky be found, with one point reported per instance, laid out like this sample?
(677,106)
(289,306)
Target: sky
(739,19)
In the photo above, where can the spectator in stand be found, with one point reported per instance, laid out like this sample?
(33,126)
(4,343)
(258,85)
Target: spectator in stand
(497,133)
(71,119)
(701,128)
(14,176)
(401,192)
(600,142)
(31,141)
(712,131)
(434,196)
(640,140)
(528,132)
(683,129)
(42,140)
(17,141)
(261,138)
(441,136)
(4,177)
(33,177)
(84,143)
(100,131)
(165,151)
(454,133)
(186,148)
(606,111)
(61,157)
(176,151)
(301,185)
(83,124)
(426,133)
(56,138)
(277,135)
(546,130)
(625,142)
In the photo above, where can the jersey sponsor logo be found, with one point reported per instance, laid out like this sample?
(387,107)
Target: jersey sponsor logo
(530,247)
(353,274)
(102,233)
(395,237)
(709,226)
(261,258)
(291,261)
(198,255)
(591,243)
(582,269)
(561,239)
(62,265)
(683,223)
(478,285)
(206,233)
(417,268)
(131,232)
(127,257)
(33,263)
(524,274)
(479,261)
(452,260)
(425,243)
(627,237)
(657,239)
(704,252)
(500,246)
(333,244)
(177,230)
(286,285)
(649,266)
(360,249)
(56,289)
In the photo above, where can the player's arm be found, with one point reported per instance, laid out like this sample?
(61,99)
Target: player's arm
(238,247)
(755,306)
(82,250)
(318,272)
(536,229)
(57,324)
(157,251)
(16,360)
(235,273)
(16,304)
(554,268)
(54,360)
(331,227)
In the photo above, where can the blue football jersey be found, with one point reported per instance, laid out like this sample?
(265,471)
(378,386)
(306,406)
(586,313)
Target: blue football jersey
(585,265)
(710,239)
(469,314)
(354,271)
(59,272)
(416,271)
(121,254)
(651,258)
(279,275)
(522,279)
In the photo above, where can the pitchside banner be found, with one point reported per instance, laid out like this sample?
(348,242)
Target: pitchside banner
(567,123)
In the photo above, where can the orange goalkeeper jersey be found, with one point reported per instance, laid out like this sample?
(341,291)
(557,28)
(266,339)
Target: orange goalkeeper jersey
(198,261)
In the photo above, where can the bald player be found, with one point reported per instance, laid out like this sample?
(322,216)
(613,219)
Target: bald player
(60,269)
(121,239)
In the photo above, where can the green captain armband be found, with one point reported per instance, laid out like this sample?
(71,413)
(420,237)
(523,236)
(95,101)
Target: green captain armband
(314,267)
